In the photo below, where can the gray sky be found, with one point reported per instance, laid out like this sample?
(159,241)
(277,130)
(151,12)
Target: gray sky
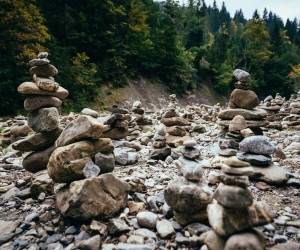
(283,8)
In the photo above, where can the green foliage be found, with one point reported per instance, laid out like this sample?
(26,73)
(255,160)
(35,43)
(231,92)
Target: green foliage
(22,34)
(84,83)
(107,41)
(224,78)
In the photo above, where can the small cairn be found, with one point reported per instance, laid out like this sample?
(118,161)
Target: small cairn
(243,101)
(117,123)
(188,195)
(273,107)
(292,118)
(237,131)
(160,150)
(172,119)
(233,213)
(138,120)
(257,151)
(44,95)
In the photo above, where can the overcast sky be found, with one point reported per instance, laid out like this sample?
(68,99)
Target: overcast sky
(283,8)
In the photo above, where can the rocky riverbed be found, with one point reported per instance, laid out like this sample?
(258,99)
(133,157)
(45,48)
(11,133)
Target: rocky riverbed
(30,218)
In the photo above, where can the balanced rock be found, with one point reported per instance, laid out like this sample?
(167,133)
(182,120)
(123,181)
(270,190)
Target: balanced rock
(227,221)
(66,163)
(83,127)
(38,62)
(234,180)
(30,88)
(257,145)
(242,75)
(258,160)
(187,197)
(238,123)
(46,83)
(36,102)
(104,195)
(37,141)
(245,99)
(254,114)
(233,196)
(38,160)
(91,112)
(46,70)
(44,119)
(190,169)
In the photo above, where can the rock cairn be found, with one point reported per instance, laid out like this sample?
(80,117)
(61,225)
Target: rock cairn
(188,195)
(233,213)
(138,121)
(43,97)
(83,160)
(139,113)
(171,118)
(257,151)
(117,123)
(160,150)
(273,108)
(243,101)
(293,119)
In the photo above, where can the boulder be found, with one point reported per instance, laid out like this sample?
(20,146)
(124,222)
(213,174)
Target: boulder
(66,163)
(258,145)
(37,161)
(228,221)
(104,195)
(44,119)
(84,127)
(245,99)
(30,88)
(187,197)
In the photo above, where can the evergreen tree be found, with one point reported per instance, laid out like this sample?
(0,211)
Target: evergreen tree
(22,34)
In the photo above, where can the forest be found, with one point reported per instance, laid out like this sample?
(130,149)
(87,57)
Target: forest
(108,42)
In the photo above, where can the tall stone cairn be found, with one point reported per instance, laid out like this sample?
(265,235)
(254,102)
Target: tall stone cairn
(44,95)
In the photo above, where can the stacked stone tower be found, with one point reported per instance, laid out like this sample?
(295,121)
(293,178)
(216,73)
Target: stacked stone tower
(43,97)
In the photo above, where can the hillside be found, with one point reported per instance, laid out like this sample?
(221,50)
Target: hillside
(154,95)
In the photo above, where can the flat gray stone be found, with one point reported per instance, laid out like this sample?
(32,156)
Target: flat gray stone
(257,144)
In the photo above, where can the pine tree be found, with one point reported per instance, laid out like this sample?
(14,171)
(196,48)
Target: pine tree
(22,34)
